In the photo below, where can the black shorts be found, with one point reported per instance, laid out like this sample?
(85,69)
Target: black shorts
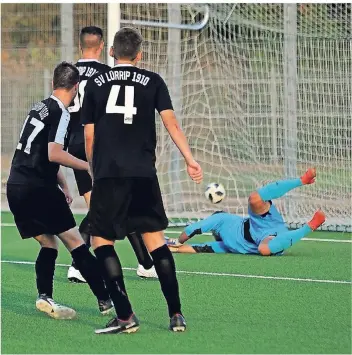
(39,210)
(83,179)
(123,205)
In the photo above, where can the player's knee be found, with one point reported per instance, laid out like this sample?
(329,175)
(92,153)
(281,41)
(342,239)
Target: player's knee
(256,204)
(264,248)
(98,242)
(153,240)
(48,241)
(71,238)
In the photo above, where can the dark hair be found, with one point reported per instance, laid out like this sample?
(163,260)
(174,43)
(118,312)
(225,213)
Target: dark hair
(66,76)
(127,43)
(87,42)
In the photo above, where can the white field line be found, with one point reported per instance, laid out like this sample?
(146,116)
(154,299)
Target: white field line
(175,232)
(203,273)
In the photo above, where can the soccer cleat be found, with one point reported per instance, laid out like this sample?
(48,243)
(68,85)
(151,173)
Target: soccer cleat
(177,323)
(55,310)
(317,220)
(75,276)
(309,176)
(146,273)
(105,307)
(117,326)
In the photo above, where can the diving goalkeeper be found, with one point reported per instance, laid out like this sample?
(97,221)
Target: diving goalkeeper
(262,232)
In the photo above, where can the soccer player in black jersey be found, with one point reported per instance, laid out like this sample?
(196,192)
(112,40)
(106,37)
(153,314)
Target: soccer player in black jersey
(39,197)
(91,45)
(119,116)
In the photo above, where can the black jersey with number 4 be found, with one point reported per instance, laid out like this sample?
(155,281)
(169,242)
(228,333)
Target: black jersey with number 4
(121,104)
(46,122)
(87,68)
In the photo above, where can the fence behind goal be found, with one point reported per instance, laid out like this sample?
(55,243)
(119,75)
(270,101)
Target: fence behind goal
(262,93)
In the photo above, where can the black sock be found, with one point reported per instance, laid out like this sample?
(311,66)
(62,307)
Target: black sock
(165,268)
(88,266)
(140,250)
(45,268)
(111,267)
(84,229)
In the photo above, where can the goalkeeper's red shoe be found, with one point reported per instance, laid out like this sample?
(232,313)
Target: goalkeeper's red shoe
(309,176)
(317,220)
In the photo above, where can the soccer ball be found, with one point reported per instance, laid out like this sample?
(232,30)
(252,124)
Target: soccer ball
(215,192)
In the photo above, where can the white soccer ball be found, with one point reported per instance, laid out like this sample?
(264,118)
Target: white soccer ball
(215,192)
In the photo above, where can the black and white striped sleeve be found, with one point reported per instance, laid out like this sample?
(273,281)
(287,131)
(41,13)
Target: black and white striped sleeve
(58,127)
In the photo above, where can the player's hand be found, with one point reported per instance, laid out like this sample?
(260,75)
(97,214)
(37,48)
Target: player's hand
(195,172)
(68,195)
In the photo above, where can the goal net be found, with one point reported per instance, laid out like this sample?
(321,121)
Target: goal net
(262,93)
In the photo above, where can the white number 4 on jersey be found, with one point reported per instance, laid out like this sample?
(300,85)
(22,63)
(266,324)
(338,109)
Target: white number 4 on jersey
(128,110)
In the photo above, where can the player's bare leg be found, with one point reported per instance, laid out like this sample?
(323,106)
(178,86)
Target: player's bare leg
(272,245)
(45,269)
(165,267)
(86,197)
(126,321)
(259,200)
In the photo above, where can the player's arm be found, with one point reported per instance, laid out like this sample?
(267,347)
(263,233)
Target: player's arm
(173,127)
(61,180)
(165,109)
(56,141)
(206,225)
(200,227)
(58,155)
(88,142)
(88,120)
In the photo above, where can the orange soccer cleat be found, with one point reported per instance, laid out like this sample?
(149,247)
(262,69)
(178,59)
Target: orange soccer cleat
(317,220)
(309,176)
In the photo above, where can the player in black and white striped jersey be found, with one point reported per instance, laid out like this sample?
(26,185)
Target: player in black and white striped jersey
(39,197)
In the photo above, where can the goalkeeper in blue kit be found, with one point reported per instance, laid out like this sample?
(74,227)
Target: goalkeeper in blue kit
(262,232)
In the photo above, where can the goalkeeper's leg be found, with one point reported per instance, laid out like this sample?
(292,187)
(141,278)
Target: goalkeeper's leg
(273,245)
(259,200)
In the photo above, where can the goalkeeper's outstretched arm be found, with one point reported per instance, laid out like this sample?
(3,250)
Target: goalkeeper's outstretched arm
(205,225)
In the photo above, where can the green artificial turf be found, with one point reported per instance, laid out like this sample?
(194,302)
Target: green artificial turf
(225,313)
